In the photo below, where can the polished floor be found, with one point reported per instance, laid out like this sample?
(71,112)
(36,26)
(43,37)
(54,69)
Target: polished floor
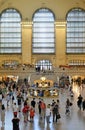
(74,121)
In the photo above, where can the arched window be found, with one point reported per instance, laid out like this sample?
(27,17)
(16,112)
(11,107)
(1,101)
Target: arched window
(43,32)
(10,32)
(76,31)
(44,65)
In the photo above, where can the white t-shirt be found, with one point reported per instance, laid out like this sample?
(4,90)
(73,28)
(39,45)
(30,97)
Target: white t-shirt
(48,111)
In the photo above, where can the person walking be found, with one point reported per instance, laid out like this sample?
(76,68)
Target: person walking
(32,114)
(33,102)
(67,107)
(55,112)
(48,113)
(83,105)
(25,111)
(15,122)
(15,108)
(43,109)
(3,114)
(79,102)
(39,104)
(19,102)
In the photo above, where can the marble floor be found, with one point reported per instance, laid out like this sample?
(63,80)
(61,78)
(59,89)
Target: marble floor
(74,121)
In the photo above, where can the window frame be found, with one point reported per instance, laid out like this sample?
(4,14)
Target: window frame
(76,45)
(37,11)
(8,33)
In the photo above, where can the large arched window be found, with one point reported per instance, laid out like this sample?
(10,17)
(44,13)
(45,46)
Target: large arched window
(44,65)
(76,31)
(43,32)
(10,32)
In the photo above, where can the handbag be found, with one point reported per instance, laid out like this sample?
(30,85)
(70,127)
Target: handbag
(58,116)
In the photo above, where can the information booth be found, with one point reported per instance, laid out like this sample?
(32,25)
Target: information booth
(43,87)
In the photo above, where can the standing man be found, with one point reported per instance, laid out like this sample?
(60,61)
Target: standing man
(15,122)
(39,106)
(79,102)
(33,102)
(3,114)
(43,109)
(19,101)
(55,112)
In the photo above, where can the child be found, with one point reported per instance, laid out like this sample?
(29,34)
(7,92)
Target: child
(32,113)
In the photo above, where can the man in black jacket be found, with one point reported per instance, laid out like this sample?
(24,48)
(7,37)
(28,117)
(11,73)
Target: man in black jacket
(55,112)
(33,102)
(15,122)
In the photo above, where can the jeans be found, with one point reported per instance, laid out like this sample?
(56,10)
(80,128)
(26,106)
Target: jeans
(54,116)
(48,119)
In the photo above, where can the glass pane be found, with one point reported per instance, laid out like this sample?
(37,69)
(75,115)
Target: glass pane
(43,32)
(76,31)
(10,30)
(44,65)
(43,50)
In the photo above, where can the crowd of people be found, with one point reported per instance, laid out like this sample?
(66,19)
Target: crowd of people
(19,101)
